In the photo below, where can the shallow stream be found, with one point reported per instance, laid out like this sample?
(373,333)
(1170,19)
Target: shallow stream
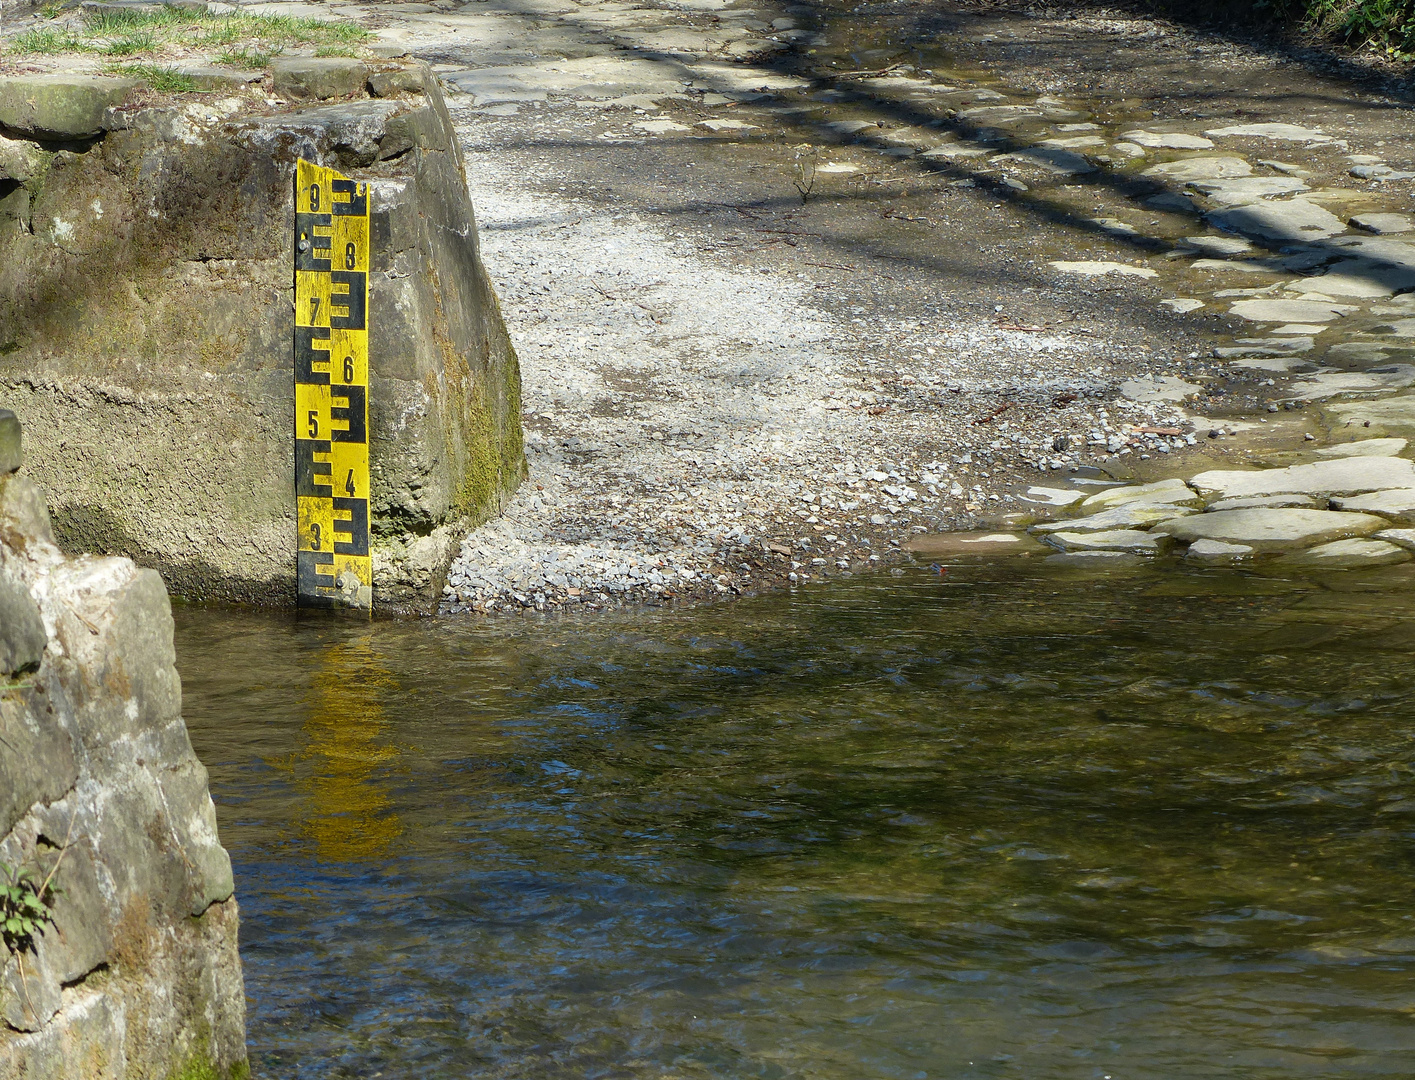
(1006,822)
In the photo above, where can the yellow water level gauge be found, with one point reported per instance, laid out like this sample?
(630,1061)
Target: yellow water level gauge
(332,562)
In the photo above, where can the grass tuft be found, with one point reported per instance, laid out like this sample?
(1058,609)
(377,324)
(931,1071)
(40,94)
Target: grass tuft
(245,58)
(139,33)
(162,79)
(45,40)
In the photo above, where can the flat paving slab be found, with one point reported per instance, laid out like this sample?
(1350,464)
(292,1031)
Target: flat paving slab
(1272,530)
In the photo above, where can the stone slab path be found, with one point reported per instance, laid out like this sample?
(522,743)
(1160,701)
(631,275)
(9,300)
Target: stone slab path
(793,283)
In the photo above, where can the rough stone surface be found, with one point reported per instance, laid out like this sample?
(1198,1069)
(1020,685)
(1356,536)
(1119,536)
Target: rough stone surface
(150,301)
(1392,416)
(1131,540)
(22,638)
(212,77)
(944,545)
(138,974)
(1270,502)
(1352,554)
(1308,311)
(1295,219)
(1216,552)
(318,76)
(1126,516)
(1173,492)
(1383,224)
(1096,560)
(1281,132)
(1160,140)
(1340,476)
(1398,504)
(59,106)
(1271,530)
(1402,537)
(1247,189)
(1199,168)
(1365,448)
(11,443)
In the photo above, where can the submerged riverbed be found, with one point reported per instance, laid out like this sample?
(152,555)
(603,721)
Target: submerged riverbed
(1007,822)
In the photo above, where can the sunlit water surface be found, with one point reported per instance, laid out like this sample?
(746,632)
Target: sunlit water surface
(1008,823)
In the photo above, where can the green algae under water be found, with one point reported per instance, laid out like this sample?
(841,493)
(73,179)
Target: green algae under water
(1008,823)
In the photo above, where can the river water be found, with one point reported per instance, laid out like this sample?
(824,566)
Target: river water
(1006,822)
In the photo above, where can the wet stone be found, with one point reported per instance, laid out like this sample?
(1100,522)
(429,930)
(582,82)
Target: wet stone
(1129,516)
(1199,168)
(1354,554)
(1160,140)
(1279,132)
(1096,560)
(944,545)
(1401,537)
(1295,219)
(1217,552)
(1271,530)
(1128,540)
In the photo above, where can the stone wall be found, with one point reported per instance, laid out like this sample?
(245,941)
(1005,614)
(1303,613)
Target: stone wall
(145,321)
(137,974)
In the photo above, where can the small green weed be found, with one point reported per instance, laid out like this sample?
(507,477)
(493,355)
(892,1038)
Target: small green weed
(336,50)
(132,33)
(165,80)
(24,908)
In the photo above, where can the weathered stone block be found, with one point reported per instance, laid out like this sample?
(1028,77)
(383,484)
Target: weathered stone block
(24,519)
(145,329)
(401,80)
(137,971)
(11,446)
(211,77)
(22,637)
(60,106)
(318,76)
